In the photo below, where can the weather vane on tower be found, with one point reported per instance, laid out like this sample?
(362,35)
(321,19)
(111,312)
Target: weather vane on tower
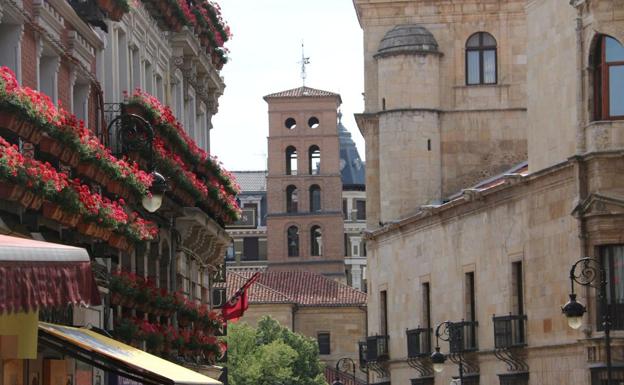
(304,60)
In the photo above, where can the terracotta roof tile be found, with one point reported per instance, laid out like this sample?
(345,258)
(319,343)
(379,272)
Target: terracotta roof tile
(302,92)
(300,287)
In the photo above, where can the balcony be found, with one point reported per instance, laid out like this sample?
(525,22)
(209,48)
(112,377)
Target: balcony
(418,343)
(509,331)
(377,348)
(463,336)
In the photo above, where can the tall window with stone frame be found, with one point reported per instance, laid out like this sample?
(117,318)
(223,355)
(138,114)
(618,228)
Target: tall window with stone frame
(608,64)
(383,312)
(291,160)
(481,59)
(612,259)
(324,343)
(470,307)
(314,160)
(315,198)
(316,241)
(292,239)
(292,199)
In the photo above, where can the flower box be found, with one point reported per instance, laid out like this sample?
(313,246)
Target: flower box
(89,229)
(69,157)
(69,219)
(101,177)
(11,121)
(120,242)
(50,145)
(117,188)
(35,135)
(10,191)
(52,211)
(26,130)
(36,203)
(26,198)
(87,170)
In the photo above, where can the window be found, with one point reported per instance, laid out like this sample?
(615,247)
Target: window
(383,312)
(426,308)
(360,205)
(250,249)
(469,299)
(516,287)
(316,238)
(49,64)
(292,199)
(345,214)
(293,241)
(323,343)
(291,160)
(608,62)
(315,198)
(481,59)
(612,258)
(314,160)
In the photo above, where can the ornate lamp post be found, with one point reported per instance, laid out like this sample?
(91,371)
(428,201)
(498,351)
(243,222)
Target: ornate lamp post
(453,336)
(593,275)
(135,132)
(344,365)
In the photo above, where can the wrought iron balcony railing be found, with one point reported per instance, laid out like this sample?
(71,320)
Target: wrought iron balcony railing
(362,353)
(509,331)
(377,348)
(463,336)
(418,342)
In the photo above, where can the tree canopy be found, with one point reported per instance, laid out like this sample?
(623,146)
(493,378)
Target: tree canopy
(271,355)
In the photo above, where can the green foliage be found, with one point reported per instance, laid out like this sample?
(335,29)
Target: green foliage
(272,355)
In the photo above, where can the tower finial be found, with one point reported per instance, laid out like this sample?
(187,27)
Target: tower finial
(304,61)
(339,116)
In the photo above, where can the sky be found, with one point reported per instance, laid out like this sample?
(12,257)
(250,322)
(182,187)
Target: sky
(265,52)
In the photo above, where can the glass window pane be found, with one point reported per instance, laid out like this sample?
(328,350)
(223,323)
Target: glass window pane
(616,90)
(488,40)
(473,67)
(473,41)
(489,67)
(614,50)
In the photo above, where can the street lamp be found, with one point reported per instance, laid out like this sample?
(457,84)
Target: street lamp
(450,334)
(593,275)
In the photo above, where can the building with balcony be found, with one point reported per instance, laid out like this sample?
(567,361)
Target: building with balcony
(493,152)
(105,119)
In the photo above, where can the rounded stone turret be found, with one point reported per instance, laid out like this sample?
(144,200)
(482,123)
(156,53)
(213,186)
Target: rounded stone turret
(407,39)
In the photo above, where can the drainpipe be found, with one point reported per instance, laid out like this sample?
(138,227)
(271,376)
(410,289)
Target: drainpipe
(294,310)
(581,145)
(173,262)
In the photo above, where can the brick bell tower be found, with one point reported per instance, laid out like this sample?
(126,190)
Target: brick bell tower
(304,221)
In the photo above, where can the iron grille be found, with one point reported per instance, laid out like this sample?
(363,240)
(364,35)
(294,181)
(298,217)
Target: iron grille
(418,342)
(60,315)
(362,345)
(599,376)
(376,348)
(463,336)
(509,331)
(423,381)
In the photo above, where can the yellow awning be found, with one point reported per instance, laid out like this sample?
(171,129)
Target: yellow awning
(109,354)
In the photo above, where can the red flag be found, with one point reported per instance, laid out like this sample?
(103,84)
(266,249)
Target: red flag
(236,306)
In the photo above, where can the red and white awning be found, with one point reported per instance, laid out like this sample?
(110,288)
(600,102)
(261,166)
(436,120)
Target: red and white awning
(35,274)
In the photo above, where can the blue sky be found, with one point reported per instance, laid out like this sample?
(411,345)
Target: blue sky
(265,51)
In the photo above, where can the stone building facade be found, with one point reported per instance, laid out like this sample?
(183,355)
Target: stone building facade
(492,166)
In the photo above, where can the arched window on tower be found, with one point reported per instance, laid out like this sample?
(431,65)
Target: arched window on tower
(316,241)
(293,241)
(314,160)
(315,198)
(291,160)
(481,59)
(292,199)
(608,63)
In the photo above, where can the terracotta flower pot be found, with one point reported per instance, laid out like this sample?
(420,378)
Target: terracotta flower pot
(116,14)
(50,145)
(118,188)
(70,219)
(52,211)
(101,177)
(36,203)
(66,155)
(10,191)
(35,136)
(119,241)
(87,170)
(10,121)
(26,198)
(87,228)
(26,130)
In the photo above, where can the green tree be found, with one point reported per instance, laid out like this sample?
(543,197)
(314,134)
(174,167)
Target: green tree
(272,355)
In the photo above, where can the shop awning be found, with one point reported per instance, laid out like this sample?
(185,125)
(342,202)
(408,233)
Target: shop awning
(35,274)
(115,357)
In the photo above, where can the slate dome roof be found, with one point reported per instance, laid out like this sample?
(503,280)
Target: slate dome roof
(352,169)
(407,39)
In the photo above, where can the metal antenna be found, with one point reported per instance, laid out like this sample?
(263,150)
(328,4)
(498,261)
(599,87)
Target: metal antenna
(304,60)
